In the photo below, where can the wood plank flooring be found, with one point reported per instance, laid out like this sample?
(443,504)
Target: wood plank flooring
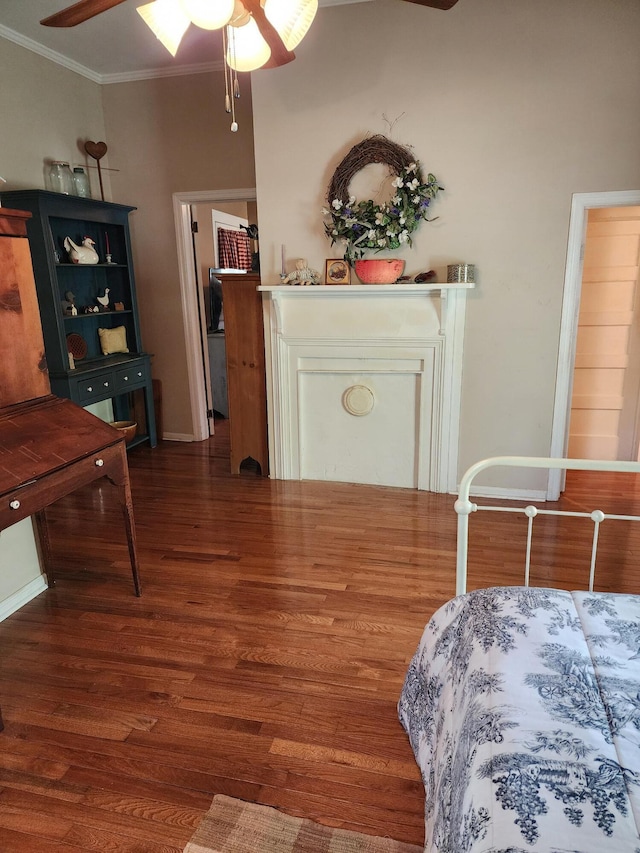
(263,661)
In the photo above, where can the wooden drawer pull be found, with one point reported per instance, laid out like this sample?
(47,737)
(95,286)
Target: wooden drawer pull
(14,504)
(99,463)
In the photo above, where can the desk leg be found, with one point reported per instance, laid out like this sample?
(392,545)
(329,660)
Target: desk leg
(127,510)
(45,546)
(120,479)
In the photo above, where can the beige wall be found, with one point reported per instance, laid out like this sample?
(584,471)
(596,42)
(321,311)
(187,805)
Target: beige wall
(46,113)
(167,136)
(514,106)
(19,564)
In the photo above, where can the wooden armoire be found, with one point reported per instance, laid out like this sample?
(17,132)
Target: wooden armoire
(246,377)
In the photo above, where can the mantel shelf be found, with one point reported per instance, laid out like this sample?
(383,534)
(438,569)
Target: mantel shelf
(324,290)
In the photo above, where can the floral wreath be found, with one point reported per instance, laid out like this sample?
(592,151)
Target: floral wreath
(364,225)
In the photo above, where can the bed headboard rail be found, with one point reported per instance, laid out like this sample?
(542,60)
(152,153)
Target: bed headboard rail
(464,507)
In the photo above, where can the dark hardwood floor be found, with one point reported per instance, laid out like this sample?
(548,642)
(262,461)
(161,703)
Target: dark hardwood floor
(264,659)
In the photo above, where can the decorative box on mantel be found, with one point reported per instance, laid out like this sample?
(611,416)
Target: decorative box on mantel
(363,382)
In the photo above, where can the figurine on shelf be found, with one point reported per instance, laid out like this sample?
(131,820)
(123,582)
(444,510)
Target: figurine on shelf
(84,254)
(69,304)
(302,274)
(103,301)
(424,277)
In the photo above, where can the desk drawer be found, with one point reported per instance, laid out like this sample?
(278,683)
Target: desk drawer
(98,387)
(34,496)
(127,378)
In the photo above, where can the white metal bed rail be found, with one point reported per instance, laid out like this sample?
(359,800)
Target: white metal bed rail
(464,507)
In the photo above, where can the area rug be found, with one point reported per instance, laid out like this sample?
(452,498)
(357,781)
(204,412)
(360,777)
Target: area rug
(235,826)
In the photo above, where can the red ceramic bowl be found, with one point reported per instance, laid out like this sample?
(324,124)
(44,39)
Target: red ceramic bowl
(379,271)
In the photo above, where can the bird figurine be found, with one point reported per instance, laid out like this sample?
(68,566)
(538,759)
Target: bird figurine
(84,254)
(425,276)
(103,301)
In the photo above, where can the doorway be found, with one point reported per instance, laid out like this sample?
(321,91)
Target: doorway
(193,311)
(580,206)
(606,374)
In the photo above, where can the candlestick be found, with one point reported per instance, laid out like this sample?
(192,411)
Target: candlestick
(106,238)
(283,271)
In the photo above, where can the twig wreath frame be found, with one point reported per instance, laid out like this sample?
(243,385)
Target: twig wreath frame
(363,225)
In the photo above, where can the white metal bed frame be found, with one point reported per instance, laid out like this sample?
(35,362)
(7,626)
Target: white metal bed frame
(464,507)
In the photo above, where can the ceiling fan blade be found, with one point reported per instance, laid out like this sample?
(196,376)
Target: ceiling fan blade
(79,12)
(279,53)
(435,4)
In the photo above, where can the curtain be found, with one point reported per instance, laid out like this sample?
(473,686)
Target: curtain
(234,249)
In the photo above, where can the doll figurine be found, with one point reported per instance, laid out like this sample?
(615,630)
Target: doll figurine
(302,274)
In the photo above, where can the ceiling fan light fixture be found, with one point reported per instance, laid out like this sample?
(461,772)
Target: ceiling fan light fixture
(167,20)
(291,18)
(246,50)
(208,14)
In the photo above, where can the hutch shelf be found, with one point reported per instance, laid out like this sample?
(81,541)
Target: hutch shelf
(89,376)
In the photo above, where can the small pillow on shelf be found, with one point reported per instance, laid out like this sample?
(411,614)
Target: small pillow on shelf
(113,340)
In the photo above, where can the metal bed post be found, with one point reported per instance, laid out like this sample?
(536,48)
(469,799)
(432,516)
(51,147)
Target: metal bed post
(464,506)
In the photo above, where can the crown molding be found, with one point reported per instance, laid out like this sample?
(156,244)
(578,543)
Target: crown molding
(170,71)
(121,77)
(47,53)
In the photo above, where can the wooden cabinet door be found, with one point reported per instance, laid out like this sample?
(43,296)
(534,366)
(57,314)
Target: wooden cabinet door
(246,381)
(23,371)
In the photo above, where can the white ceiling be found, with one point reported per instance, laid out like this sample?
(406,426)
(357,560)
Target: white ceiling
(114,46)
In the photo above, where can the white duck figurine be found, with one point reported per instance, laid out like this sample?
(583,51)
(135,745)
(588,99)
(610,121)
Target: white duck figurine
(84,254)
(103,300)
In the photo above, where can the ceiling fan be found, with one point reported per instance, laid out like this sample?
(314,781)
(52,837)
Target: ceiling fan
(277,35)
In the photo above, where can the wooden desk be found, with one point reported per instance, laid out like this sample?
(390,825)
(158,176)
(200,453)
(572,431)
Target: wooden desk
(49,447)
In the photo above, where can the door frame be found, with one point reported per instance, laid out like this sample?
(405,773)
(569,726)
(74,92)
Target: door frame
(581,203)
(194,334)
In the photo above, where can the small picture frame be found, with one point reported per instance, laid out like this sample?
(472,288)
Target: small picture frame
(337,271)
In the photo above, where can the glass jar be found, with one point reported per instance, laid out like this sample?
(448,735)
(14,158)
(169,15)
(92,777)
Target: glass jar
(81,182)
(60,178)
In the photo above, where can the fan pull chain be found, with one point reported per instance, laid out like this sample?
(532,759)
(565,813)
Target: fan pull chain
(227,99)
(233,79)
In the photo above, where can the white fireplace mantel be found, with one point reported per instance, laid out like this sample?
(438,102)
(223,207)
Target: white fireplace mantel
(363,382)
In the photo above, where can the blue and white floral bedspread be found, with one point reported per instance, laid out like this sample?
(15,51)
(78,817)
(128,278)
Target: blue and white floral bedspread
(523,710)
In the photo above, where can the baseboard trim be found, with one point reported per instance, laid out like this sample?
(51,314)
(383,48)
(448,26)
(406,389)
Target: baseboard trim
(22,596)
(177,436)
(503,494)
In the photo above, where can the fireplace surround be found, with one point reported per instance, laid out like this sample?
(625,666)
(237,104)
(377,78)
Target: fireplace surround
(363,382)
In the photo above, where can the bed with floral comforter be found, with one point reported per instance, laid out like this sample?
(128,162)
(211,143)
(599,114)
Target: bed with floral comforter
(522,706)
